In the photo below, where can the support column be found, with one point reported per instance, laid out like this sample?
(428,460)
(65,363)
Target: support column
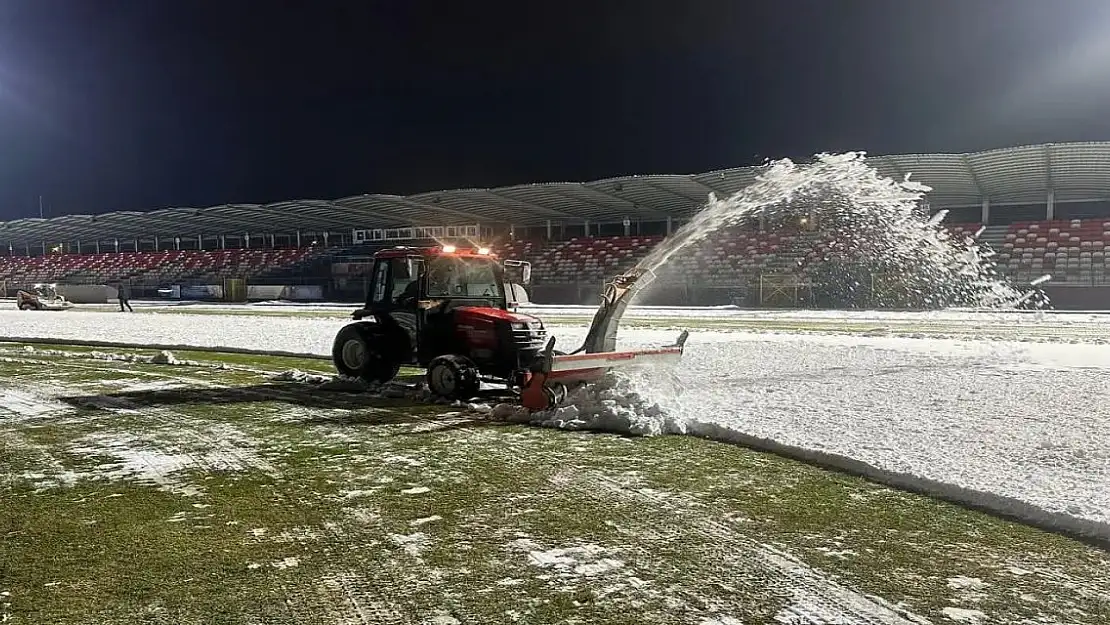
(136,245)
(78,246)
(298,238)
(177,243)
(200,241)
(223,242)
(548,229)
(586,229)
(1050,214)
(98,246)
(512,232)
(157,247)
(670,225)
(44,248)
(246,240)
(326,235)
(986,215)
(273,242)
(116,241)
(627,226)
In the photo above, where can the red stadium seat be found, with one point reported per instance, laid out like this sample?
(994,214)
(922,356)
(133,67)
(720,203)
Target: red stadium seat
(164,267)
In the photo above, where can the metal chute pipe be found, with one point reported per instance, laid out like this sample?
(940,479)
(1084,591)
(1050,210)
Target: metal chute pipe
(602,335)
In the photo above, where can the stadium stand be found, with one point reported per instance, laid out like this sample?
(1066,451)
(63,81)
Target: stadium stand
(734,256)
(167,267)
(1071,251)
(584,259)
(1046,209)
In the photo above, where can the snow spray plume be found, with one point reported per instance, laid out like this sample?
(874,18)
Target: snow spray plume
(880,237)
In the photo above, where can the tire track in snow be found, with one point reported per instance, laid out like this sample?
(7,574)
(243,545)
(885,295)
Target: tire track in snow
(342,598)
(362,607)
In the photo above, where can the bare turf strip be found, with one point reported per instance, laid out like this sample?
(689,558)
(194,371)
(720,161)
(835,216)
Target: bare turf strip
(160,494)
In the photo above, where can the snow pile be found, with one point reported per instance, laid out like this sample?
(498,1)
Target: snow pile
(620,402)
(296,375)
(163,357)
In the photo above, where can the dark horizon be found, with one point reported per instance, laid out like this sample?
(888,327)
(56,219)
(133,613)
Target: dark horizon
(128,105)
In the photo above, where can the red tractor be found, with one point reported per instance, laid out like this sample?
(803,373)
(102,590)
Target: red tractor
(447,310)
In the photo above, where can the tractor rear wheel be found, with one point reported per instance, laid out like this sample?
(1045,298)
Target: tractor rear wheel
(361,351)
(453,377)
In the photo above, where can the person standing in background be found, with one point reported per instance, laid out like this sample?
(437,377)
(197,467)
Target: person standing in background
(124,293)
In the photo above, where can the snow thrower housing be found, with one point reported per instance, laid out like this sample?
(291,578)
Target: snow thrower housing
(447,310)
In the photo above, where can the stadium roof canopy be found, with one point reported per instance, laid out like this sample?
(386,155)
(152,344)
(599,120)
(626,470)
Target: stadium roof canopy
(1017,175)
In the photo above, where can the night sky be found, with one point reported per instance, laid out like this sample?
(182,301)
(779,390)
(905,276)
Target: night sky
(141,104)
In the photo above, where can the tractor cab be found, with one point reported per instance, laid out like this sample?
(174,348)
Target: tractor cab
(445,277)
(444,308)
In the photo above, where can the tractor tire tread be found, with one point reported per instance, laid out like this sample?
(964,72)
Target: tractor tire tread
(379,369)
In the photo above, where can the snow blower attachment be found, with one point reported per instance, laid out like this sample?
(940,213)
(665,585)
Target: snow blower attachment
(548,379)
(446,310)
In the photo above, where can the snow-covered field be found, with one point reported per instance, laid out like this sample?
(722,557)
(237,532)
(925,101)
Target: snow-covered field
(1015,426)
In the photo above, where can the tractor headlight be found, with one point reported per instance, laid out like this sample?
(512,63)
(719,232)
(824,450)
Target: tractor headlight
(520,325)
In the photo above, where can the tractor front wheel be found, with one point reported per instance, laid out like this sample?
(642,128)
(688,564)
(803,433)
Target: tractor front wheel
(453,377)
(360,351)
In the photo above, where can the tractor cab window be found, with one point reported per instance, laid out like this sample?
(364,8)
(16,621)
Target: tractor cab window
(381,278)
(406,278)
(462,277)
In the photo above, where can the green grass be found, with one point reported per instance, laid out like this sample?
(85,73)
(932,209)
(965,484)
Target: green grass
(404,512)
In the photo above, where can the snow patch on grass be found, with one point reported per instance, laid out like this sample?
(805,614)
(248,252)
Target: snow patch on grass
(412,544)
(161,457)
(18,406)
(286,563)
(581,561)
(961,615)
(966,583)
